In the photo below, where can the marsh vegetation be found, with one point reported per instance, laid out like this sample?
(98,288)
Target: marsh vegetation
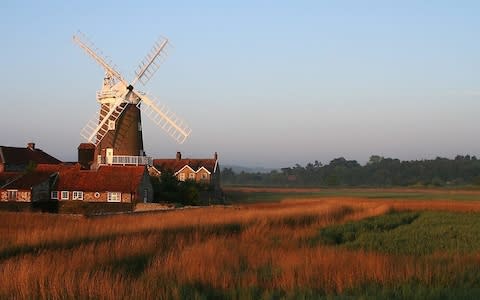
(308,247)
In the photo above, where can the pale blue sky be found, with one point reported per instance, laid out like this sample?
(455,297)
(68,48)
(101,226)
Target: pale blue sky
(264,83)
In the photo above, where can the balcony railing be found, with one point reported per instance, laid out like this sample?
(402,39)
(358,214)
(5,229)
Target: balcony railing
(106,94)
(125,160)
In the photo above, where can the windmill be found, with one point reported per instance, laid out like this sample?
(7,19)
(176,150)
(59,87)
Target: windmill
(116,131)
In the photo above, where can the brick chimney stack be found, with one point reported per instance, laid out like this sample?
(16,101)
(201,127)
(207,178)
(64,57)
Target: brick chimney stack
(179,155)
(215,155)
(31,146)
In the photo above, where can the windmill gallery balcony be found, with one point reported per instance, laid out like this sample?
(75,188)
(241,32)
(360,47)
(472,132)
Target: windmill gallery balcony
(124,160)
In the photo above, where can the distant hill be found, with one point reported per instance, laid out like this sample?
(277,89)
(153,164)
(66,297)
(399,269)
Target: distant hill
(239,169)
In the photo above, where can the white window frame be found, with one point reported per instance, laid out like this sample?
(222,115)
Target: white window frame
(111,125)
(77,195)
(54,195)
(10,193)
(114,197)
(191,176)
(181,176)
(63,193)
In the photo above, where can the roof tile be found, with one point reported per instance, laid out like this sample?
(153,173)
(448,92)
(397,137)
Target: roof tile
(28,180)
(176,165)
(17,155)
(106,178)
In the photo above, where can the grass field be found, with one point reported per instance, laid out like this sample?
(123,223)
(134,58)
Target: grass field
(411,233)
(252,195)
(308,246)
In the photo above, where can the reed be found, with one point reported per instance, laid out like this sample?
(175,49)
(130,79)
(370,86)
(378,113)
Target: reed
(249,251)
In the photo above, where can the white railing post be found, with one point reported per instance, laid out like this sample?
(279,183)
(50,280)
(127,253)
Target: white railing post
(126,160)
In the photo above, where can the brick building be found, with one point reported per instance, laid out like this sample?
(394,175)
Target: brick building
(129,184)
(204,170)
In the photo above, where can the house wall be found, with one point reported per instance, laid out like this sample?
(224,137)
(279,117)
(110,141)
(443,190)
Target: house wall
(22,195)
(102,197)
(2,167)
(145,185)
(198,176)
(201,173)
(187,173)
(41,192)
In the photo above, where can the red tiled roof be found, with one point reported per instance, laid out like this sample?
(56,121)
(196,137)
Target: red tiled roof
(106,178)
(28,180)
(56,168)
(22,156)
(8,176)
(41,173)
(176,165)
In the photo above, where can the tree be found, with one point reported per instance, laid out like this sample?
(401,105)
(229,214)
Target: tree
(375,159)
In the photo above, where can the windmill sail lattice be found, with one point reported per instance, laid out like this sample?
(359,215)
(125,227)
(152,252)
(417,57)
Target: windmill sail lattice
(152,62)
(97,55)
(165,119)
(96,129)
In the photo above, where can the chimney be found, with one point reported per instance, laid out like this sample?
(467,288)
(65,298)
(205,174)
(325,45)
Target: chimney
(215,155)
(31,146)
(179,155)
(86,155)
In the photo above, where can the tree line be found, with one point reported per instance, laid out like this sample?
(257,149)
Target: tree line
(377,172)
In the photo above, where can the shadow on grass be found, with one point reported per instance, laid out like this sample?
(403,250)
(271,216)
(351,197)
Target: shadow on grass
(167,236)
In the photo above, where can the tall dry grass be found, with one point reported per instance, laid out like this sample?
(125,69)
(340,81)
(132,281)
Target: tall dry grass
(159,255)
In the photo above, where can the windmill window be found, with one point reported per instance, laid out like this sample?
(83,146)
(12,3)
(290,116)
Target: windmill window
(111,125)
(77,195)
(12,195)
(114,197)
(54,195)
(64,195)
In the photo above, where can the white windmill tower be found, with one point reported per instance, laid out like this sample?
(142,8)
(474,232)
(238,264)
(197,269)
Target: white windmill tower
(116,131)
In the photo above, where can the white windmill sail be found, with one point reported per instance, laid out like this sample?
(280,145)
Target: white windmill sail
(96,54)
(164,118)
(152,61)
